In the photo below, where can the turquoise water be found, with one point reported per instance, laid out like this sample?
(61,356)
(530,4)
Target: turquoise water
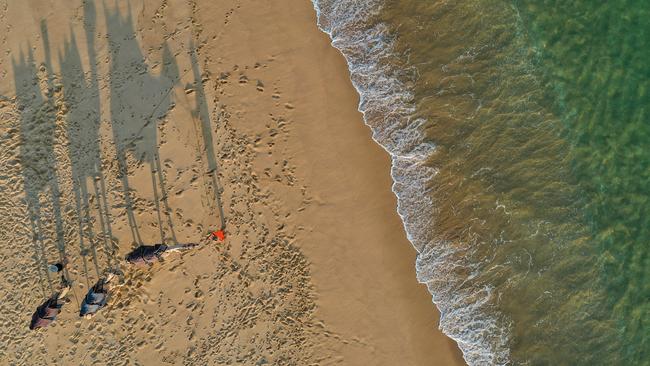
(520,140)
(595,58)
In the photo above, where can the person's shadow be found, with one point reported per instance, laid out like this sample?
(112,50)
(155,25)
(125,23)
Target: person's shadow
(138,101)
(201,112)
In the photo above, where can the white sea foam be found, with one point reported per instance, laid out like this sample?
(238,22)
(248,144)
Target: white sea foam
(387,105)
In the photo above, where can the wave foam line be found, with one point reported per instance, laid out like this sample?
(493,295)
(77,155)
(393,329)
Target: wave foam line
(386,103)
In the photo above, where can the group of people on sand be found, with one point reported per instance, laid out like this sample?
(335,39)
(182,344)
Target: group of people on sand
(97,296)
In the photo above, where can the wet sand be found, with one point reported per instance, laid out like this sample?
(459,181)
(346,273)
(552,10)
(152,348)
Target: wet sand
(116,119)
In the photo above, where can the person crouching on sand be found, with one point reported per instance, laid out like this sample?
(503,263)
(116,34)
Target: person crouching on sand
(47,312)
(96,298)
(149,254)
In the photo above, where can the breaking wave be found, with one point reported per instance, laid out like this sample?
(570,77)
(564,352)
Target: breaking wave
(388,106)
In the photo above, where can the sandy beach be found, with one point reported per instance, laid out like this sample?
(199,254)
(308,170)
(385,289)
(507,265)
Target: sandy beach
(125,123)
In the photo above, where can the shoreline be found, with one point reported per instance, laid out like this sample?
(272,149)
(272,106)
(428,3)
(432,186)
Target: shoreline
(383,281)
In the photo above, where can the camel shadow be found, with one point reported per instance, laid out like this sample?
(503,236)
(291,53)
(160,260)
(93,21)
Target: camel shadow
(139,100)
(82,102)
(37,156)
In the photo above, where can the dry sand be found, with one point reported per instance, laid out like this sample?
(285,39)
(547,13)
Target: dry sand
(114,115)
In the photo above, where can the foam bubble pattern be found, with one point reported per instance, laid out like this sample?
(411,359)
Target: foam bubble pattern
(386,103)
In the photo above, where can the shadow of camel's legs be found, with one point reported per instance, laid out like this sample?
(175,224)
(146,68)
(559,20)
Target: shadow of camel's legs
(104,218)
(82,246)
(87,221)
(41,245)
(168,212)
(157,201)
(58,222)
(107,216)
(39,252)
(121,162)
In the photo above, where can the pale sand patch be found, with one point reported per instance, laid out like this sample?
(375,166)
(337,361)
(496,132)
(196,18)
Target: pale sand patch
(151,94)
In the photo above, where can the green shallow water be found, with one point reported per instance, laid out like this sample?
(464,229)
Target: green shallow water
(539,113)
(596,58)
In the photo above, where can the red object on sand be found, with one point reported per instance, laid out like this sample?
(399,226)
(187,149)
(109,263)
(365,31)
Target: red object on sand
(219,234)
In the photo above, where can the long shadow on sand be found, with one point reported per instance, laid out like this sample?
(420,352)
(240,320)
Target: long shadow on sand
(37,157)
(82,101)
(138,101)
(203,115)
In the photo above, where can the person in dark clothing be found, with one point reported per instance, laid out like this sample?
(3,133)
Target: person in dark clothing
(47,312)
(149,254)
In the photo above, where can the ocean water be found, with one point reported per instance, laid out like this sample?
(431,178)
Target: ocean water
(520,137)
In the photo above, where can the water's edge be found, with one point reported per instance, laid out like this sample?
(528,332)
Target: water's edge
(386,106)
